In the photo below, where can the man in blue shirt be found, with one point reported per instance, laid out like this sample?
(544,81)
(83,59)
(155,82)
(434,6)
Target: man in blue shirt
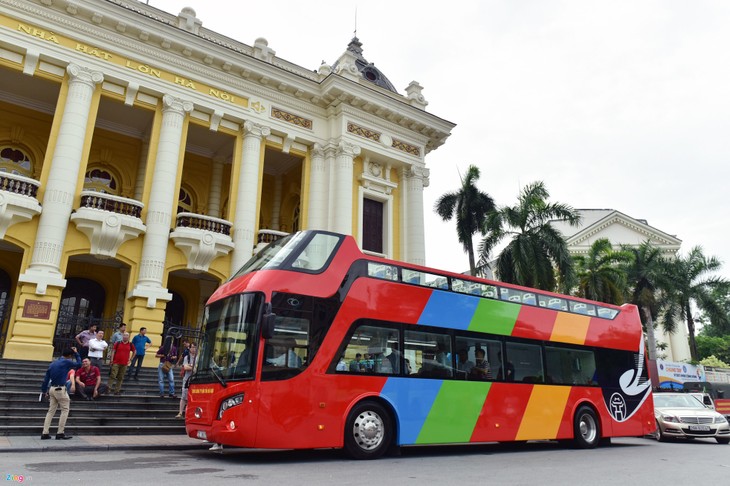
(54,387)
(140,343)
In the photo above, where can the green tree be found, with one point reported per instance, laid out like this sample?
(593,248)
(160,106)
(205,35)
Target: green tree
(718,346)
(470,207)
(693,285)
(600,274)
(537,254)
(647,282)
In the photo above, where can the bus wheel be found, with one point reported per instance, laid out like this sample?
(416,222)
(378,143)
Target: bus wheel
(368,431)
(586,430)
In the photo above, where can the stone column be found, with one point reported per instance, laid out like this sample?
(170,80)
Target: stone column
(244,222)
(60,189)
(317,189)
(163,196)
(276,206)
(216,183)
(142,170)
(342,203)
(417,179)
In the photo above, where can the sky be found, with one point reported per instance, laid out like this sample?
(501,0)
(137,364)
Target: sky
(612,104)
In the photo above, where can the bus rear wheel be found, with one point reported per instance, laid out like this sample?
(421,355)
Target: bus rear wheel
(586,429)
(368,431)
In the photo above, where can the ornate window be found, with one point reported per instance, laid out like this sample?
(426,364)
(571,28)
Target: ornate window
(15,160)
(185,202)
(101,180)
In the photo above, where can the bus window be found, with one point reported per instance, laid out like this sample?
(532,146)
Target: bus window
(607,313)
(570,366)
(372,349)
(315,255)
(526,360)
(424,278)
(582,308)
(552,303)
(285,354)
(429,354)
(474,358)
(378,270)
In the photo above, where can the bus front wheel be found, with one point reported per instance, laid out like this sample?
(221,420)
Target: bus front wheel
(368,431)
(586,429)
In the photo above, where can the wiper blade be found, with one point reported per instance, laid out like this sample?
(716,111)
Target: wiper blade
(219,378)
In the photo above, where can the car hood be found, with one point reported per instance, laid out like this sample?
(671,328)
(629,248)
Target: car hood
(687,412)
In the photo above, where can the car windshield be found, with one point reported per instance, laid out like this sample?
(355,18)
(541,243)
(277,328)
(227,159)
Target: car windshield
(676,401)
(229,340)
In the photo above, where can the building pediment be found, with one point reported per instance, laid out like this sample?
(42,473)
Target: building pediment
(621,229)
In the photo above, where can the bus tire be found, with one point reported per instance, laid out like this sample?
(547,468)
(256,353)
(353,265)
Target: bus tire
(586,429)
(368,431)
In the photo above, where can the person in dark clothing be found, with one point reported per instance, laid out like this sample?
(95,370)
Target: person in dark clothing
(54,387)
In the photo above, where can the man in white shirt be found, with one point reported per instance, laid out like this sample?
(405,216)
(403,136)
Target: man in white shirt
(96,349)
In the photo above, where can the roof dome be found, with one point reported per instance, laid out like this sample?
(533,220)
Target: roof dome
(367,69)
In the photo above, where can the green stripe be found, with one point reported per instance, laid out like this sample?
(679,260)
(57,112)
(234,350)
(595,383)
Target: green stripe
(495,317)
(454,413)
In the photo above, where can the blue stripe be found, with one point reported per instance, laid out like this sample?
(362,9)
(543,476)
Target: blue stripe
(446,309)
(412,401)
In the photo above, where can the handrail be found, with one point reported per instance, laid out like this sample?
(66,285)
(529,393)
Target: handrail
(202,222)
(111,203)
(18,184)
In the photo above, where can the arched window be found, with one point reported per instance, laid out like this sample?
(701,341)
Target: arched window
(101,180)
(185,203)
(15,160)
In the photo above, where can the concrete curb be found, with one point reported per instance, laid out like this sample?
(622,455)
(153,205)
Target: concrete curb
(80,445)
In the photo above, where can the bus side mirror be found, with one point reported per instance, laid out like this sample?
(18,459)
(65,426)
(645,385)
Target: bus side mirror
(267,325)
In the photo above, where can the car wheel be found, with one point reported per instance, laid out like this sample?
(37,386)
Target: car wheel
(586,429)
(723,440)
(368,431)
(660,436)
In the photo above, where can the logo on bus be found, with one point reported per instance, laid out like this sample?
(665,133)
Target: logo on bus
(633,388)
(618,407)
(293,302)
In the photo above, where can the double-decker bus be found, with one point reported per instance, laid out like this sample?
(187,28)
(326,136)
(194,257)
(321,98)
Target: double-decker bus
(313,344)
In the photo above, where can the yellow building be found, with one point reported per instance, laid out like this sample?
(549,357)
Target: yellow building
(144,158)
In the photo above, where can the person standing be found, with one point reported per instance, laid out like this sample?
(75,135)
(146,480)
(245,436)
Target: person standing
(140,342)
(83,339)
(116,337)
(164,369)
(187,364)
(97,346)
(54,387)
(122,358)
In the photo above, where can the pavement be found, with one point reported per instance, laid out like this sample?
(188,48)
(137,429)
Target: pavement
(101,443)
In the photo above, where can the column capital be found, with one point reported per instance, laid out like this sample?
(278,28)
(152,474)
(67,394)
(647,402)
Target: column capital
(317,150)
(347,148)
(79,74)
(176,105)
(255,130)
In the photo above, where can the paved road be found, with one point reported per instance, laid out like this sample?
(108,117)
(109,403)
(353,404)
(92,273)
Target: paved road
(628,461)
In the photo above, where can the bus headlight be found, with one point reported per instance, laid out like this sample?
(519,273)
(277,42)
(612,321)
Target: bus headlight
(228,403)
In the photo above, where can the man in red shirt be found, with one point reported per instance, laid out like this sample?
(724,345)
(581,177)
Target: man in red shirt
(88,381)
(124,352)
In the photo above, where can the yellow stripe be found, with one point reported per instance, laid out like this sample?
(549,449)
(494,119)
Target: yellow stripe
(570,328)
(543,413)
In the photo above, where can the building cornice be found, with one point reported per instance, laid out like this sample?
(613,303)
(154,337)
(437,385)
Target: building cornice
(617,217)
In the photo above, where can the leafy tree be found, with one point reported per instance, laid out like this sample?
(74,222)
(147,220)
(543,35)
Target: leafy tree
(714,361)
(692,285)
(718,346)
(647,283)
(600,276)
(537,255)
(469,206)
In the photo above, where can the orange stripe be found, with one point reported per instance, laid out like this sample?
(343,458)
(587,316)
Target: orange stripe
(570,328)
(544,412)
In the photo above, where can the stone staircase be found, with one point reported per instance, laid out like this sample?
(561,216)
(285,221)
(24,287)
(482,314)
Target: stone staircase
(137,411)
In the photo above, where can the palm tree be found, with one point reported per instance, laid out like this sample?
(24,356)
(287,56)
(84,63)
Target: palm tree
(646,277)
(693,285)
(537,256)
(469,206)
(600,276)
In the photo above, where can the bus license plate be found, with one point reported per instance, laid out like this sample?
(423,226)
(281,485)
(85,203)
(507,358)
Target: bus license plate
(202,435)
(699,428)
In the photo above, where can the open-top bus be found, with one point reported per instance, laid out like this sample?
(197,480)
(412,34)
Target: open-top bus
(313,344)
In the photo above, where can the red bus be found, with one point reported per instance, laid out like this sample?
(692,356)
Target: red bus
(313,344)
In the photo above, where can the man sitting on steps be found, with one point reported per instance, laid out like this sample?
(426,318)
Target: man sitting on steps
(88,381)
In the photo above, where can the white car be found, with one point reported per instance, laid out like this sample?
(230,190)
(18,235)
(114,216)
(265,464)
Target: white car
(680,415)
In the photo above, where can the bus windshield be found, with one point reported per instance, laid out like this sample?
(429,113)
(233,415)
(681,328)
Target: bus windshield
(303,251)
(227,352)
